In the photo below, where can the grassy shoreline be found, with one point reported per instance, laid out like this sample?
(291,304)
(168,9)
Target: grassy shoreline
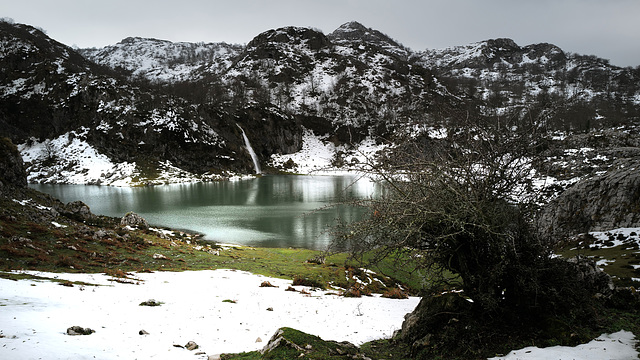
(35,235)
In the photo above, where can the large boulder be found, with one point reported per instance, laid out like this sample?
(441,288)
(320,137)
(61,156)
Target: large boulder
(135,221)
(603,202)
(12,172)
(76,210)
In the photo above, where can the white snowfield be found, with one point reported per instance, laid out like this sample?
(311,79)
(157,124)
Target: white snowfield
(223,311)
(35,315)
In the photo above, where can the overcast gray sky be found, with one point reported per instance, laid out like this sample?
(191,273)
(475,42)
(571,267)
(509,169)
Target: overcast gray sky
(607,28)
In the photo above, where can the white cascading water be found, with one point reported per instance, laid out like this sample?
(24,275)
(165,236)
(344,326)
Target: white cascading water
(254,157)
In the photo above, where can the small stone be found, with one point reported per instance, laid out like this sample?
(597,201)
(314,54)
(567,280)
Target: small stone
(191,346)
(269,309)
(259,340)
(78,330)
(143,332)
(151,302)
(160,257)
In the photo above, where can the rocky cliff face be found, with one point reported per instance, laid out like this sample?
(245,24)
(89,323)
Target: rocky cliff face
(603,202)
(12,173)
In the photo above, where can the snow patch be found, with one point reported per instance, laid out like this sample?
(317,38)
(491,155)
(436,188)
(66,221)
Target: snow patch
(617,346)
(70,159)
(36,314)
(319,156)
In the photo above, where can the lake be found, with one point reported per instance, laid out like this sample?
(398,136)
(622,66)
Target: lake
(268,211)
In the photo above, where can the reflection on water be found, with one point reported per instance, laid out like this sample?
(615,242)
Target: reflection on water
(271,211)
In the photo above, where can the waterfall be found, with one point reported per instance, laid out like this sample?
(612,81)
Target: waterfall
(254,157)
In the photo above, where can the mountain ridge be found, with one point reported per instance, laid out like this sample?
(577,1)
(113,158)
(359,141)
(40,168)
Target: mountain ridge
(350,84)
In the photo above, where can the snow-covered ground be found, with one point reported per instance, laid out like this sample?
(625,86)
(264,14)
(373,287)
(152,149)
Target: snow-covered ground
(223,311)
(74,161)
(618,346)
(318,155)
(35,315)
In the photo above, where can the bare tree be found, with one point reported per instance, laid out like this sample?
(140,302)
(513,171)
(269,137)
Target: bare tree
(457,206)
(462,210)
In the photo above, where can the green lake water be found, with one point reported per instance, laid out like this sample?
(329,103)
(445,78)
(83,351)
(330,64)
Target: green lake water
(269,211)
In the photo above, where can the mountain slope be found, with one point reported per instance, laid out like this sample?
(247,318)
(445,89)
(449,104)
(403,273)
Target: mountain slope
(63,109)
(586,92)
(161,60)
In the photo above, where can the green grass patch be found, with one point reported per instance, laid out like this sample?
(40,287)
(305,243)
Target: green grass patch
(616,261)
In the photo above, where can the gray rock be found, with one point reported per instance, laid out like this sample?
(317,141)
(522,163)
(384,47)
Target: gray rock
(134,220)
(191,345)
(76,210)
(159,257)
(12,171)
(151,302)
(100,234)
(603,202)
(431,314)
(278,340)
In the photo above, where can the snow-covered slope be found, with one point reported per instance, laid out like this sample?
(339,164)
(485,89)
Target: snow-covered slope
(507,76)
(161,60)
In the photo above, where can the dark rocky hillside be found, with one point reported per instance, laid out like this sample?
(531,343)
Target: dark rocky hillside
(51,93)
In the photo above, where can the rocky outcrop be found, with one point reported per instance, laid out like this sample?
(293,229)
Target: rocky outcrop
(430,316)
(134,220)
(76,210)
(603,202)
(287,341)
(78,330)
(12,171)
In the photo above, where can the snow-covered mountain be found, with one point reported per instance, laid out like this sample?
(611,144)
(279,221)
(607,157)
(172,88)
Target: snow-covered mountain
(153,105)
(587,91)
(82,123)
(161,60)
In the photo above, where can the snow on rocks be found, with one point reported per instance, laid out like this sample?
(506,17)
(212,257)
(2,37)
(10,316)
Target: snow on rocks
(70,159)
(35,315)
(134,220)
(319,156)
(615,237)
(73,161)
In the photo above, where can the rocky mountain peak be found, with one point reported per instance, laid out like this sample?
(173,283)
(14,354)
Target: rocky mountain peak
(487,53)
(136,39)
(355,31)
(29,45)
(502,44)
(290,35)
